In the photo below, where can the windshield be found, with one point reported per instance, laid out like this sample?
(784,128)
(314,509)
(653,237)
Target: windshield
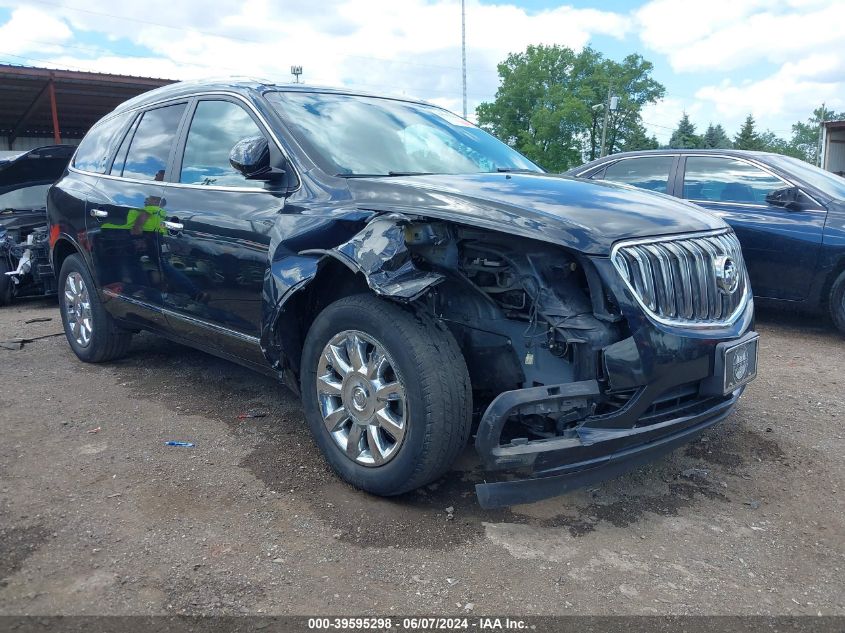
(34,197)
(351,135)
(825,181)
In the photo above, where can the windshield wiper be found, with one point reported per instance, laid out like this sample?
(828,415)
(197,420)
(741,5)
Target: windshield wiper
(388,174)
(515,170)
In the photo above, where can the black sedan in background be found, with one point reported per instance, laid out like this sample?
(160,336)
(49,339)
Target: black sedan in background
(789,215)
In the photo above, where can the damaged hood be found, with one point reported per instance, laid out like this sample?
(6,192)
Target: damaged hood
(583,215)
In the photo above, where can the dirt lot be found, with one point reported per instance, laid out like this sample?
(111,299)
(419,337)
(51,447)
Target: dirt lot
(747,521)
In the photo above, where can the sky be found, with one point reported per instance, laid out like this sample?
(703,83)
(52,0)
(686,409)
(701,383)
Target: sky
(718,59)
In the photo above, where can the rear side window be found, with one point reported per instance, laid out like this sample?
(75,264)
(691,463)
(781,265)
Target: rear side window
(719,179)
(96,148)
(216,127)
(120,159)
(150,147)
(648,172)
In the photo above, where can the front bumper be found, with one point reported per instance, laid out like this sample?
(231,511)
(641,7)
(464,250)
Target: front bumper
(553,471)
(672,378)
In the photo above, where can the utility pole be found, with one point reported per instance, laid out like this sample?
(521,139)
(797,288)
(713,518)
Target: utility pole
(604,125)
(820,147)
(464,52)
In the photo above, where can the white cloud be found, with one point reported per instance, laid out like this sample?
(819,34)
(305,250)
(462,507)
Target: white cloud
(802,38)
(727,34)
(790,94)
(662,117)
(24,24)
(410,47)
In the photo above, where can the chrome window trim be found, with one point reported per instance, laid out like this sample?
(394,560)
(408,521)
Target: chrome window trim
(608,163)
(678,322)
(753,163)
(188,97)
(749,205)
(744,159)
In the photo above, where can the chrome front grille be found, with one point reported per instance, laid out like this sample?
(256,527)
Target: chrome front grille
(676,279)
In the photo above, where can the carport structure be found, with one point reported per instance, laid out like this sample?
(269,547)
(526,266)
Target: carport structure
(42,106)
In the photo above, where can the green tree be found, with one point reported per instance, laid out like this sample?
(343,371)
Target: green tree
(805,135)
(771,142)
(637,139)
(684,135)
(748,137)
(715,138)
(543,106)
(631,81)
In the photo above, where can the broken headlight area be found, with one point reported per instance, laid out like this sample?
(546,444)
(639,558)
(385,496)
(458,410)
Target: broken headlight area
(524,316)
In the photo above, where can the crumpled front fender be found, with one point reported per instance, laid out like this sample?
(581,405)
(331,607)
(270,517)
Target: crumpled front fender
(378,252)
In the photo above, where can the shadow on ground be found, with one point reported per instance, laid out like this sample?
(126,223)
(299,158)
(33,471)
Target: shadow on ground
(445,513)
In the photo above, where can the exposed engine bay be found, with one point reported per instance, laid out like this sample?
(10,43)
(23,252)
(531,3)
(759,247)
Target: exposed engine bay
(25,177)
(525,315)
(25,256)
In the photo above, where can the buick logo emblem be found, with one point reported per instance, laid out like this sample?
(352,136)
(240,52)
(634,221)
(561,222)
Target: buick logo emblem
(740,364)
(727,274)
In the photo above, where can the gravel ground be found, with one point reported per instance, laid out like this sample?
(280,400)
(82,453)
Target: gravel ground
(97,515)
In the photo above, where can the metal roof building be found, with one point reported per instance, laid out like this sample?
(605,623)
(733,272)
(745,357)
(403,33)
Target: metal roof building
(42,106)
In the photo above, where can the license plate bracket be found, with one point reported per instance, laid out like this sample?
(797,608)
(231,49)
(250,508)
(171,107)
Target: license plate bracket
(735,365)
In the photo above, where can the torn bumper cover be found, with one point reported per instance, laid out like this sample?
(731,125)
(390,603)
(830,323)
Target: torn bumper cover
(593,454)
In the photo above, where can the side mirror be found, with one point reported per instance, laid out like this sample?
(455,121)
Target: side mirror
(787,197)
(251,157)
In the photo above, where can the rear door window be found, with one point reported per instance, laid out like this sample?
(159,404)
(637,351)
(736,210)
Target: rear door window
(150,147)
(723,179)
(647,172)
(215,129)
(97,147)
(120,159)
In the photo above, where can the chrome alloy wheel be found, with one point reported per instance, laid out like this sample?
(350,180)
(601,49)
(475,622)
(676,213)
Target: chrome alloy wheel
(77,307)
(361,398)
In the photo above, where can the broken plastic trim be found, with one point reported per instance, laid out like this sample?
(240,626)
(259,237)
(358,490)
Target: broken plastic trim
(380,253)
(572,396)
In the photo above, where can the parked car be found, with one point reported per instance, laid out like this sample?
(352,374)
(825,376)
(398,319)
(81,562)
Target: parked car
(415,280)
(789,216)
(25,177)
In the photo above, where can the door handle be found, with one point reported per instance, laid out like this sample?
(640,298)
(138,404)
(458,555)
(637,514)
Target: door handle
(99,213)
(172,226)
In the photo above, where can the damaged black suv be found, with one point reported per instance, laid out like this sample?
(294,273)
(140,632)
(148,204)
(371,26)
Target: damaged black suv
(415,280)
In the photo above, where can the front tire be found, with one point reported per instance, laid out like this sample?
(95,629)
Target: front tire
(92,333)
(837,302)
(386,394)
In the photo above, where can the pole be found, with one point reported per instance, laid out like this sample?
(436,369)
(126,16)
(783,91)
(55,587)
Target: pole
(57,137)
(820,148)
(464,53)
(604,125)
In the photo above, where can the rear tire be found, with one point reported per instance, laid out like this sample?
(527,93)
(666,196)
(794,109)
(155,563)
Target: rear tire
(92,333)
(837,302)
(6,284)
(394,388)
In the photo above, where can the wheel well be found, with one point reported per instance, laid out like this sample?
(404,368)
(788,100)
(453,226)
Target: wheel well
(838,269)
(333,281)
(61,251)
